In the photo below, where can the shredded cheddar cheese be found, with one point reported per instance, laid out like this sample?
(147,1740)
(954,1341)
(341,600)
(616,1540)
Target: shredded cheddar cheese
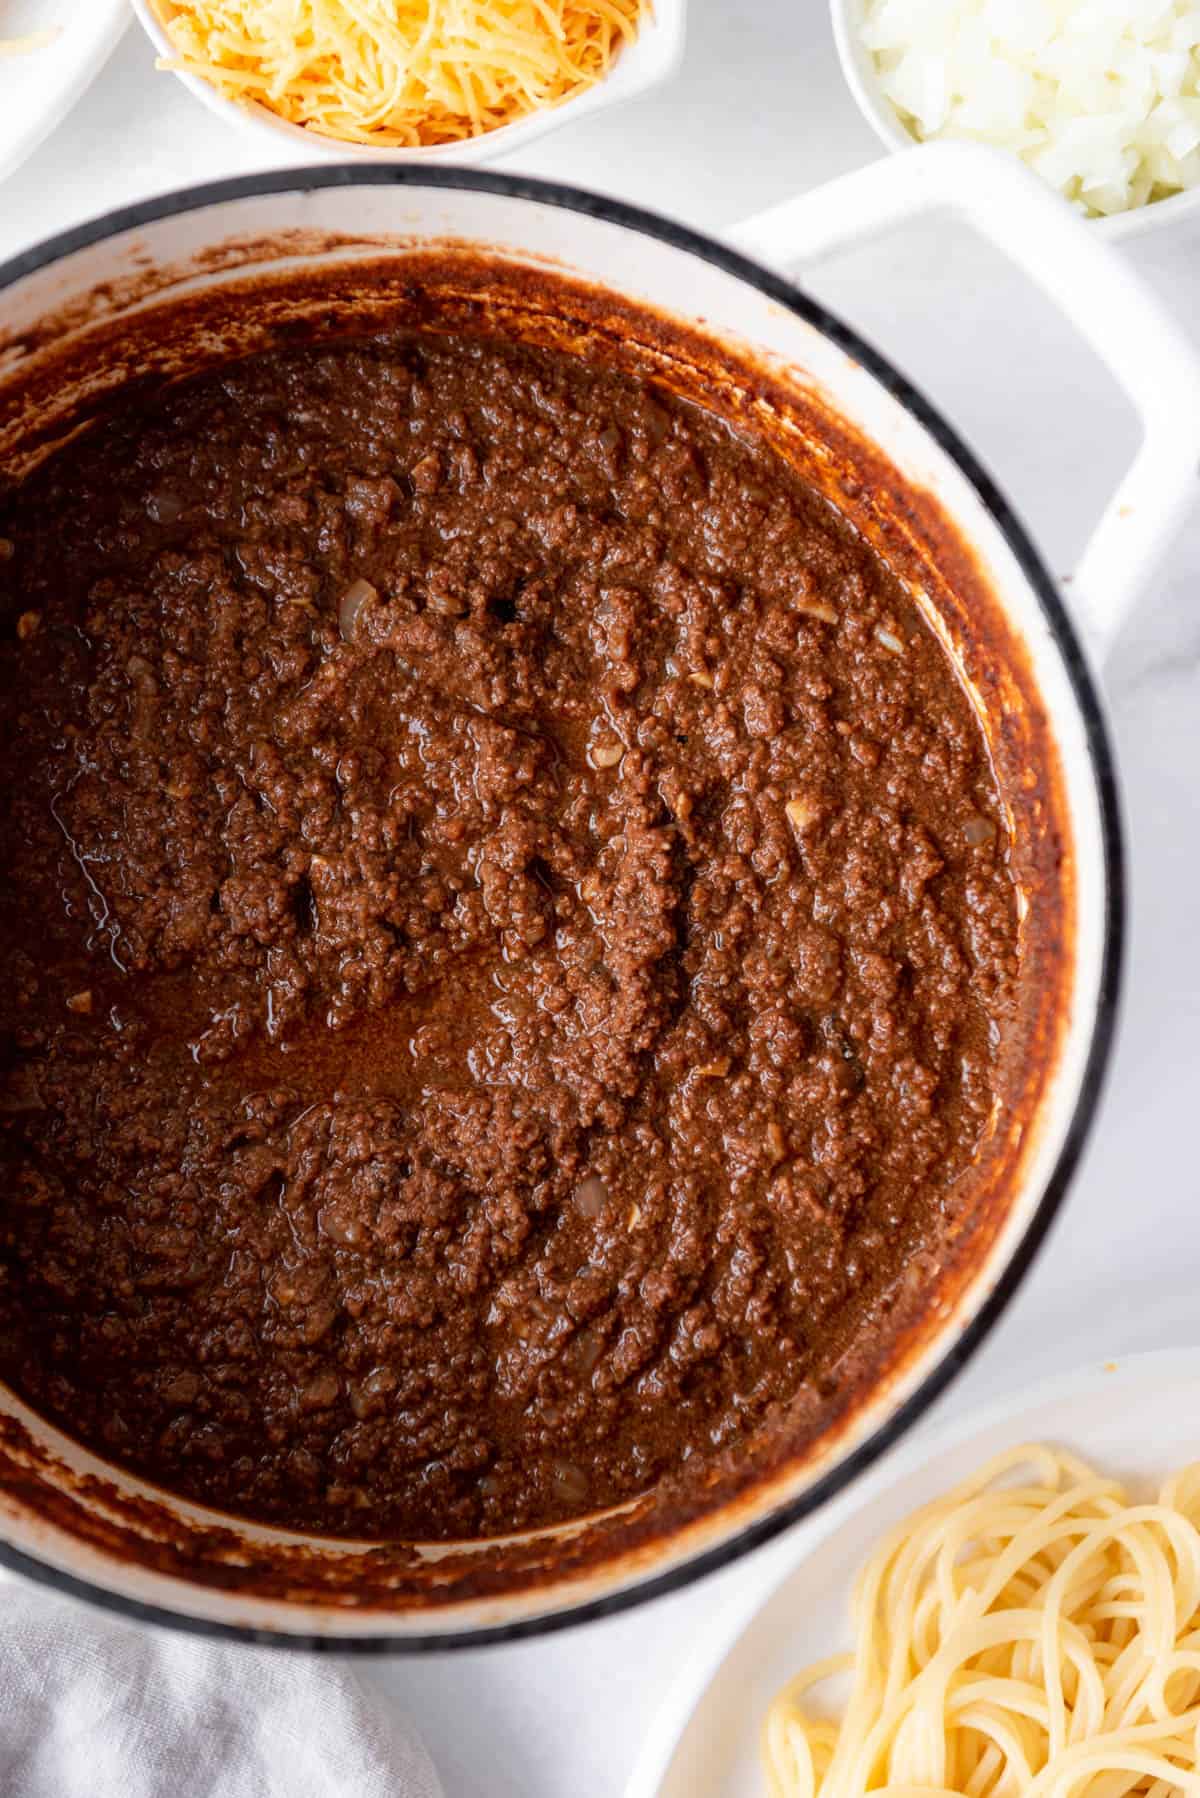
(399,72)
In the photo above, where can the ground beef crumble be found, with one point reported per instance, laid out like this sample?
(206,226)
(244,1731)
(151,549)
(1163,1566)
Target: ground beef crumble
(506,932)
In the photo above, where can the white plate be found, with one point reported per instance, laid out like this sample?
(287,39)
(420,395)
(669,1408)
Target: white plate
(38,90)
(1139,1420)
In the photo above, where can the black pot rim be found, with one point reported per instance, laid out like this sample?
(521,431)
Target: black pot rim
(787,294)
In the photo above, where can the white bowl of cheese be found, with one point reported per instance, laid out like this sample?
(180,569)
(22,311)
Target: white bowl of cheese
(642,64)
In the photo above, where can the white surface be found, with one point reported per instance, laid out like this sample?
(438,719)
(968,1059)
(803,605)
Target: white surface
(757,112)
(38,88)
(1138,1421)
(650,60)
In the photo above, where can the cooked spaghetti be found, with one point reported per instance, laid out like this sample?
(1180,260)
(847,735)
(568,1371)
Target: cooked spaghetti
(400,72)
(1033,1634)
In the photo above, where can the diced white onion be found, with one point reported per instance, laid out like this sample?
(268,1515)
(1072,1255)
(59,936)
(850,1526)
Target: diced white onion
(356,596)
(1101,97)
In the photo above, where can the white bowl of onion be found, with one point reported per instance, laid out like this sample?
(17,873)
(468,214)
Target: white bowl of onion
(1100,97)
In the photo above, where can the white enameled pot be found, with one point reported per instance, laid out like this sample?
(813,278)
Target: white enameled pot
(71,1519)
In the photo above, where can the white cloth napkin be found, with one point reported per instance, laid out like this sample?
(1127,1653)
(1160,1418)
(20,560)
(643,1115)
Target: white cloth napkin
(92,1706)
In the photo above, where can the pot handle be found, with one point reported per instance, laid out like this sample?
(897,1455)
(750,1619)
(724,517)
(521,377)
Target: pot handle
(1096,288)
